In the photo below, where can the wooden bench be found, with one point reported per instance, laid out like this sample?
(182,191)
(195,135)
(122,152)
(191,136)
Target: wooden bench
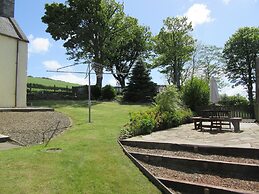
(215,122)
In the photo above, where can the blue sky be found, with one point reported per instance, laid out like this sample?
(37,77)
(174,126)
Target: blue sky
(214,22)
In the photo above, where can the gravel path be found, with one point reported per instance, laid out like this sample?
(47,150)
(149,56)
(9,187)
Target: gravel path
(192,155)
(203,178)
(32,127)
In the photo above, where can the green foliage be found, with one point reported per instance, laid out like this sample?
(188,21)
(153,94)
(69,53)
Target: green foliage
(141,123)
(49,82)
(236,100)
(173,46)
(240,52)
(108,92)
(140,87)
(195,93)
(132,43)
(88,151)
(168,112)
(96,92)
(169,99)
(211,62)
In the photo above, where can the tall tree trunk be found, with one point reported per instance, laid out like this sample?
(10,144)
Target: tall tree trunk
(99,80)
(122,83)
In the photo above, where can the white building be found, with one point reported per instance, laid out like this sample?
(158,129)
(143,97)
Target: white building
(13,59)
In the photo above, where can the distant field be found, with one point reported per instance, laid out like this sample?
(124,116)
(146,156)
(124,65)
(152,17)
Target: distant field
(49,82)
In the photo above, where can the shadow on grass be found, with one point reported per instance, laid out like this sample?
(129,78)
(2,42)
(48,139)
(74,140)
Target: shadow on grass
(62,103)
(136,103)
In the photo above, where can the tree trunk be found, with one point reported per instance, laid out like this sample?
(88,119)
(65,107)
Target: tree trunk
(99,80)
(122,83)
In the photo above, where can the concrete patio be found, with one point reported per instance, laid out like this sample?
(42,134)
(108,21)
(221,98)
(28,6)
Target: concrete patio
(185,134)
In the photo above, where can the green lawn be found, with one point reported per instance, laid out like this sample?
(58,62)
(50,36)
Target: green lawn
(49,82)
(91,160)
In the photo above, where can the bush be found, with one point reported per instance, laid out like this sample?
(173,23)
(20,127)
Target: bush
(236,100)
(95,92)
(108,92)
(168,99)
(168,112)
(195,93)
(140,123)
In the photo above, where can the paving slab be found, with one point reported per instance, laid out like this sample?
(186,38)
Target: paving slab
(248,137)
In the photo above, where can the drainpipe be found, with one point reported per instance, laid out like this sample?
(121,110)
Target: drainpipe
(16,75)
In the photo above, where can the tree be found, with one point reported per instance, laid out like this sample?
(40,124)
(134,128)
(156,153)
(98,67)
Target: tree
(211,63)
(195,93)
(173,46)
(86,27)
(240,53)
(126,48)
(140,87)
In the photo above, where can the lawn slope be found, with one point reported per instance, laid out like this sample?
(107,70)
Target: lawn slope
(91,160)
(49,82)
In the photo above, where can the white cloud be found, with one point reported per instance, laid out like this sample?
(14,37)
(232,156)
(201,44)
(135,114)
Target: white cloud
(226,2)
(69,77)
(38,45)
(199,14)
(51,65)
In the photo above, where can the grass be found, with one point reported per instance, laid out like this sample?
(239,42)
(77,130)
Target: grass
(49,82)
(91,160)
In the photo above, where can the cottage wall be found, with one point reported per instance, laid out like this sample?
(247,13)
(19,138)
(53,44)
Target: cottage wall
(10,95)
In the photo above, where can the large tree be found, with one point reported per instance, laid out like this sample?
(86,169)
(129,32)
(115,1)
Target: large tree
(174,46)
(240,52)
(211,61)
(140,87)
(129,46)
(86,27)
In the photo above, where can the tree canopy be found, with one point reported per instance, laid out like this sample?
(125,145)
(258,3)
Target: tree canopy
(140,87)
(173,47)
(86,27)
(240,52)
(131,45)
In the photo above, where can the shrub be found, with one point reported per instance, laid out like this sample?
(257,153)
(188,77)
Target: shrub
(168,99)
(168,112)
(236,100)
(140,123)
(95,92)
(195,93)
(108,92)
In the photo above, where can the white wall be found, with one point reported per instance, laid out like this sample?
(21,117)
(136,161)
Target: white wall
(8,51)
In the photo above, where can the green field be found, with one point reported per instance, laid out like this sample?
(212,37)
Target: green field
(49,82)
(91,160)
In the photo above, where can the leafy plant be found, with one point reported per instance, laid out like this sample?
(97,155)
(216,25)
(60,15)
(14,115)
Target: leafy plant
(236,100)
(169,99)
(195,93)
(108,92)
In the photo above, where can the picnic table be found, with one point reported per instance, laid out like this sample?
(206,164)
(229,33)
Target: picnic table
(216,119)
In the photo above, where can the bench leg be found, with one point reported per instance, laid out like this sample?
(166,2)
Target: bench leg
(236,125)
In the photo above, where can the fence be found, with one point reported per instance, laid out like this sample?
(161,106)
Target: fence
(235,111)
(41,92)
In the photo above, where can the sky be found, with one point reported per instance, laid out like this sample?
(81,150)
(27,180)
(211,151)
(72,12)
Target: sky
(214,22)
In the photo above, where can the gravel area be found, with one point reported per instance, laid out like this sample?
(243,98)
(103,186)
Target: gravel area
(192,155)
(203,178)
(30,128)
